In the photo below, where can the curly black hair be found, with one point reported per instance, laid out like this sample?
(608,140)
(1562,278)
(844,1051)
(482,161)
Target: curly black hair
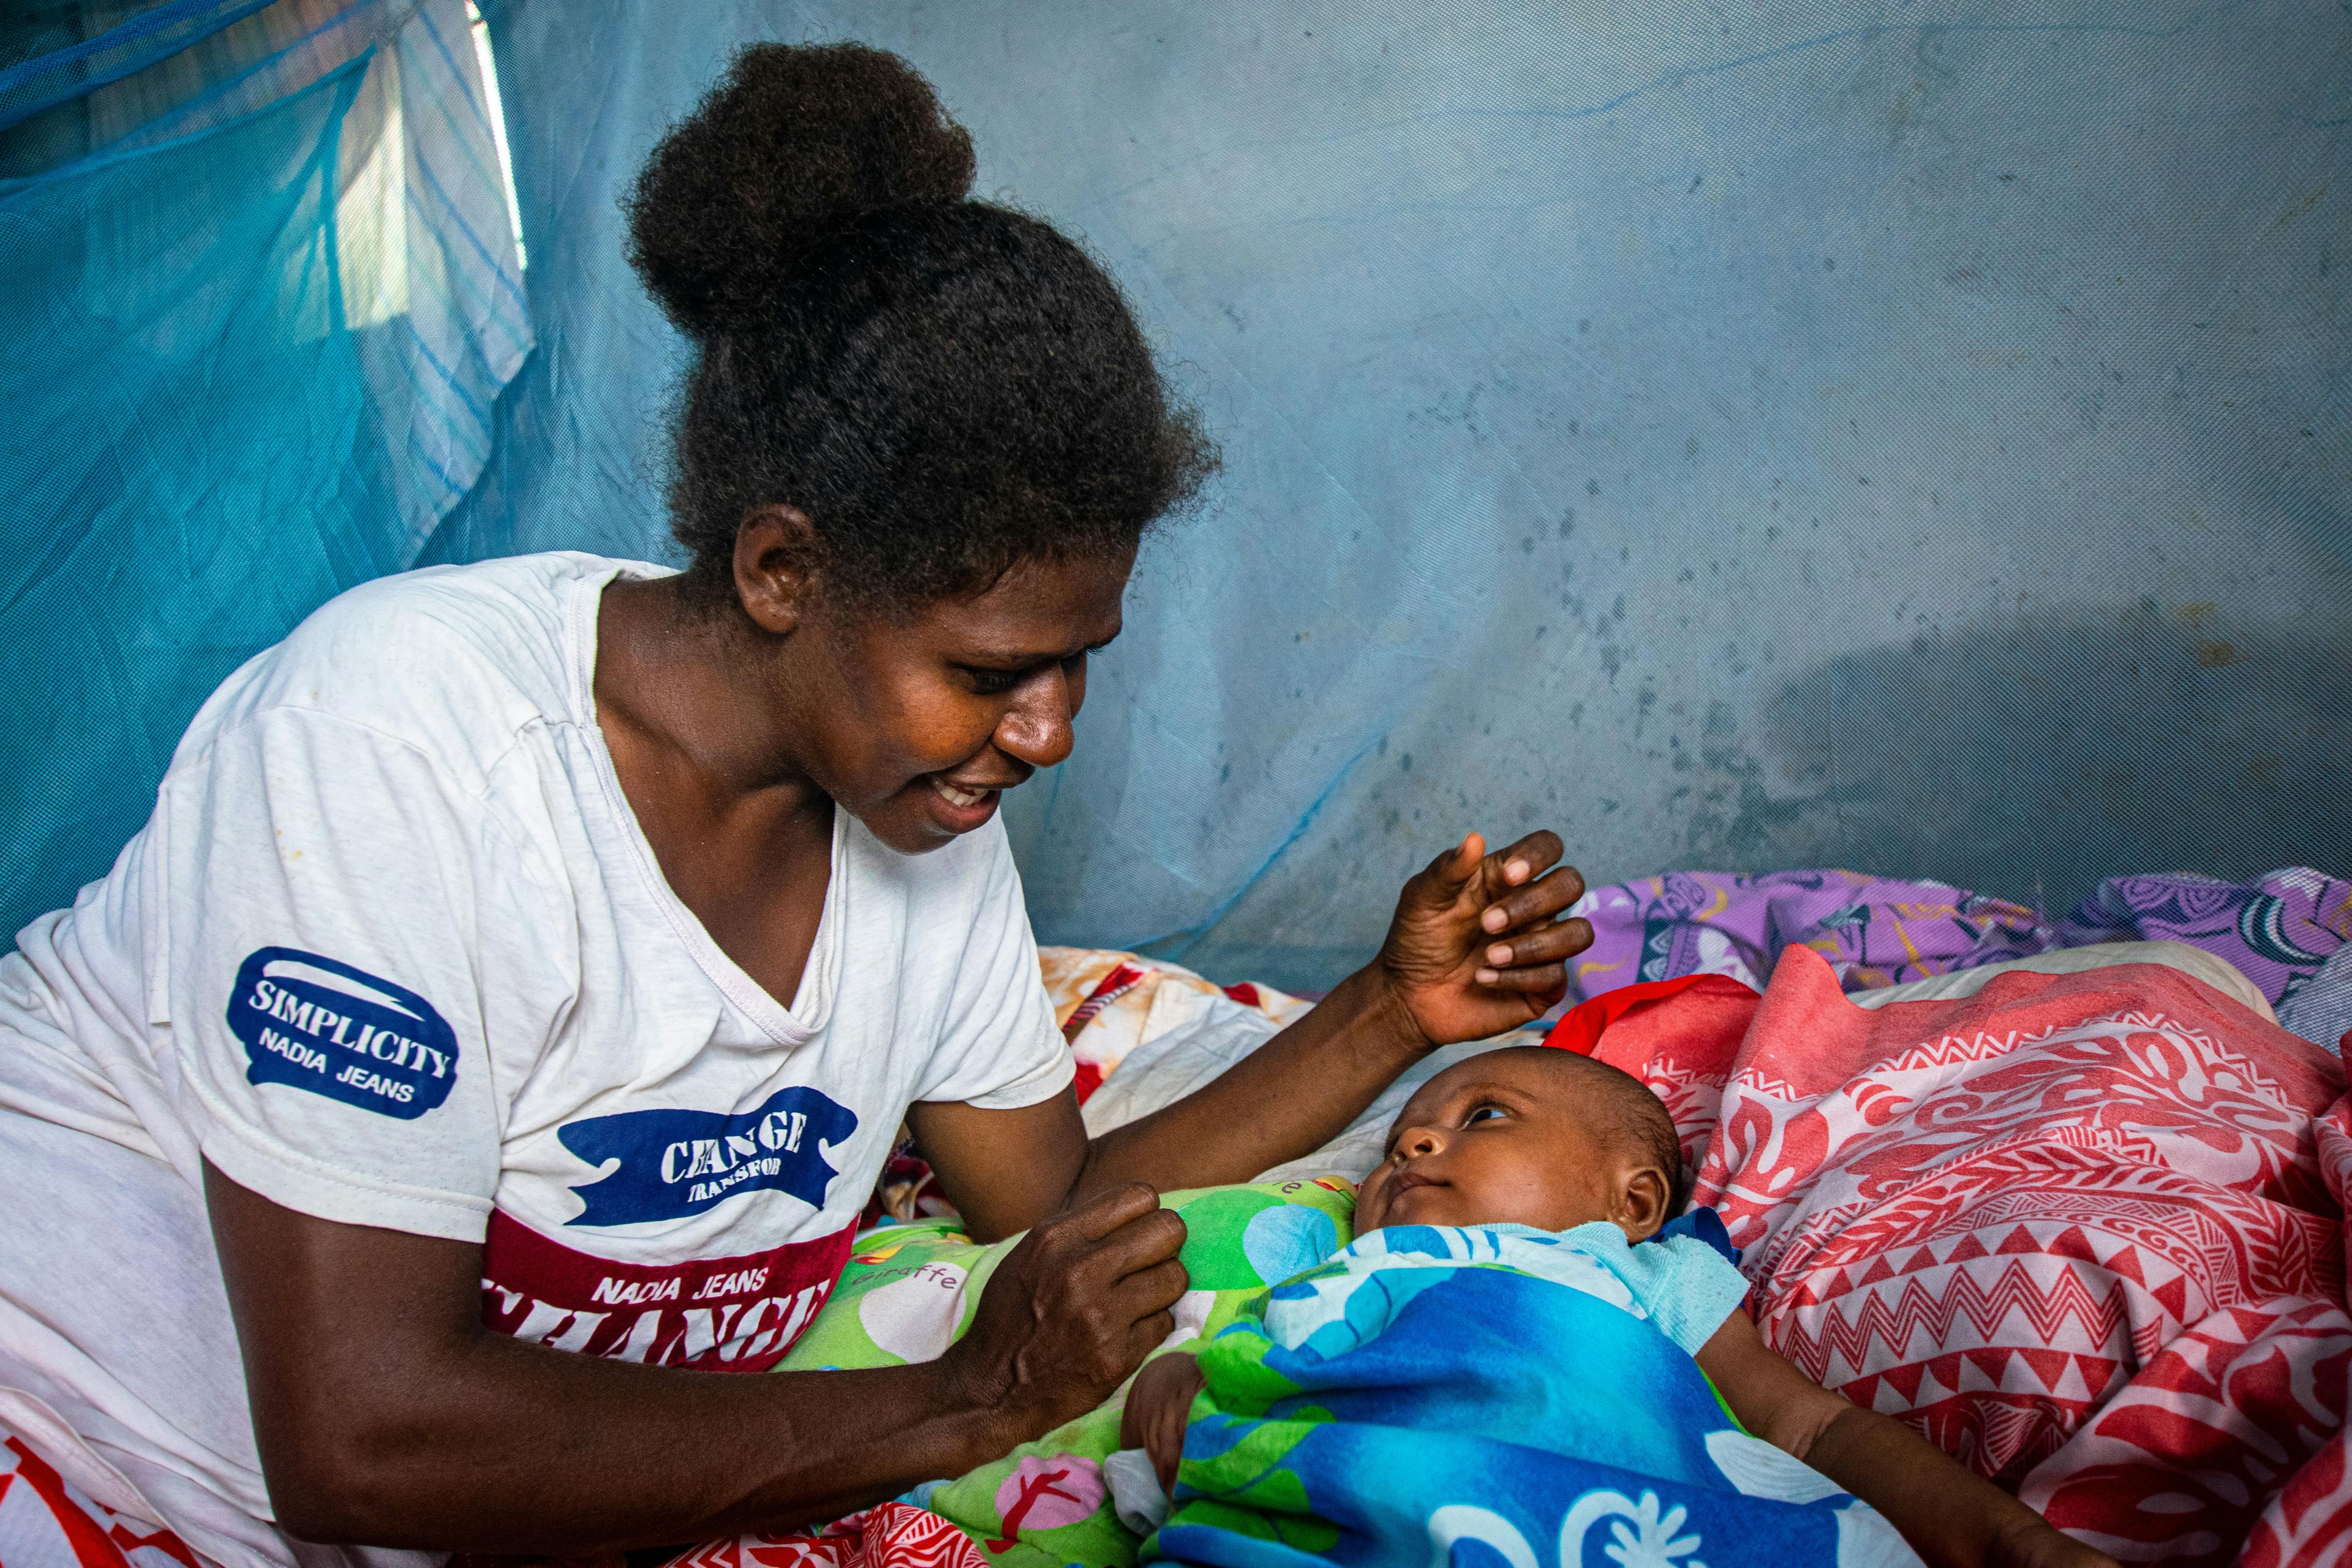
(946,387)
(1625,1108)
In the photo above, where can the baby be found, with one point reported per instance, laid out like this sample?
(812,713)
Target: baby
(1535,1139)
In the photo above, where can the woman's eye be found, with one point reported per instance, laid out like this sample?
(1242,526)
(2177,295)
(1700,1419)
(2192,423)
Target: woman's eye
(992,682)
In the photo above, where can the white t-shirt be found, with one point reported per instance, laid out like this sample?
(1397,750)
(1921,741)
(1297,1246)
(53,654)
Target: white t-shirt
(393,952)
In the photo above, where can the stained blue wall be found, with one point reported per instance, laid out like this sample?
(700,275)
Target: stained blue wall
(1912,436)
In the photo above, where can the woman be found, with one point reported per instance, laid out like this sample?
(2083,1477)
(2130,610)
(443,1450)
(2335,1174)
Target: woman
(502,1019)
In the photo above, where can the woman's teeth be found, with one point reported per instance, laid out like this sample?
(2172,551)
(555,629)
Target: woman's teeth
(958,797)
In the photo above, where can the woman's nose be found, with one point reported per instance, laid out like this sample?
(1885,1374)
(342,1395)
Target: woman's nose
(1036,728)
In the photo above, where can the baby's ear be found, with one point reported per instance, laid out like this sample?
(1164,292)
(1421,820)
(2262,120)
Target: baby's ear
(1641,1203)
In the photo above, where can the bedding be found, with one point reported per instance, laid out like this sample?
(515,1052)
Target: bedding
(1873,932)
(2085,1230)
(910,1291)
(1411,1387)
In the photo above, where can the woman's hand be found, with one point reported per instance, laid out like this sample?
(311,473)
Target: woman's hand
(1477,946)
(1071,1310)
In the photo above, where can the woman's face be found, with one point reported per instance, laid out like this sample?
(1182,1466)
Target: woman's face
(915,723)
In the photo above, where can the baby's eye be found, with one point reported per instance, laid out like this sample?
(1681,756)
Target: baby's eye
(1481,1114)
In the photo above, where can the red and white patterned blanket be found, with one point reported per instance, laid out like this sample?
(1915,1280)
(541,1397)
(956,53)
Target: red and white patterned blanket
(2087,1232)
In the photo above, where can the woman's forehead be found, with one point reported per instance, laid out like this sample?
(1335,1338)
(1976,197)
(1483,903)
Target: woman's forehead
(1038,610)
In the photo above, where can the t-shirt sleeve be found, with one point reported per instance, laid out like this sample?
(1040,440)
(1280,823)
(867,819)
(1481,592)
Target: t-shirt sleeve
(998,1048)
(350,935)
(1690,1289)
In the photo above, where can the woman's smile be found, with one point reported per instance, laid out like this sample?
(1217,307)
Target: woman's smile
(960,810)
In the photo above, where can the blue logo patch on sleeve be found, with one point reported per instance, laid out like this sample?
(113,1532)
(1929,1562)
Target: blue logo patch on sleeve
(319,1024)
(671,1163)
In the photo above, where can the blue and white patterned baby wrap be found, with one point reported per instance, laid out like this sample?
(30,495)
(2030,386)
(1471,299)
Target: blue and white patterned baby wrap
(1500,1397)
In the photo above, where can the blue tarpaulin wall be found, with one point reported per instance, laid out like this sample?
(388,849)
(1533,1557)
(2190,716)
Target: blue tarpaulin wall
(1913,435)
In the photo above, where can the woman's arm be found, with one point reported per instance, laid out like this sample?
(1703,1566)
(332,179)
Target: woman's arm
(387,1415)
(1476,948)
(1951,1517)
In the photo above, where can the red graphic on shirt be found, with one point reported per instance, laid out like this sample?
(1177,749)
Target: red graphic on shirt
(718,1314)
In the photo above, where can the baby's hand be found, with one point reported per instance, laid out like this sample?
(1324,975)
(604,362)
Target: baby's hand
(1158,1405)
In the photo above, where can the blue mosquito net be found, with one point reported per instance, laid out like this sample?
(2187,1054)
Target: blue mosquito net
(1912,436)
(261,292)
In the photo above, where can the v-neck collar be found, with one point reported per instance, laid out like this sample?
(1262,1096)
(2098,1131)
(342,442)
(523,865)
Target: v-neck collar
(812,1004)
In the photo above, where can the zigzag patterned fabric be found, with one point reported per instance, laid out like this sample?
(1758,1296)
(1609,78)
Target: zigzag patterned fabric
(47,1521)
(2085,1232)
(893,1535)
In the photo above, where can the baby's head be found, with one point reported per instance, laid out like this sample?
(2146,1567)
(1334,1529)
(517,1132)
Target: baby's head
(1531,1136)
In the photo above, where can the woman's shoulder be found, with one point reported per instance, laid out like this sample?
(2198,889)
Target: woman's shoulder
(456,661)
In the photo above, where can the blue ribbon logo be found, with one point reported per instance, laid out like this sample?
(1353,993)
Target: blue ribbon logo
(671,1163)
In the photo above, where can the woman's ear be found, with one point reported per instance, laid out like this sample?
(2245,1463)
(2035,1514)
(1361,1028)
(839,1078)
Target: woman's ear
(1641,1203)
(775,566)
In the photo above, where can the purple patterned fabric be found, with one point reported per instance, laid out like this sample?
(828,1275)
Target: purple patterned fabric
(1877,932)
(2278,932)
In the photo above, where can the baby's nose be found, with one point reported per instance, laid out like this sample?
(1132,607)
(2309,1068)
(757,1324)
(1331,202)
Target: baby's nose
(1420,1140)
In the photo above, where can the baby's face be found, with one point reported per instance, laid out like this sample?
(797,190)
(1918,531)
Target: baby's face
(1503,1138)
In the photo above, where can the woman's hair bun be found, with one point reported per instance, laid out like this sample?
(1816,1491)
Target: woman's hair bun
(795,144)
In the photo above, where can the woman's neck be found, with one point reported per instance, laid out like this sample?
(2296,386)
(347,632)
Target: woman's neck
(701,746)
(687,687)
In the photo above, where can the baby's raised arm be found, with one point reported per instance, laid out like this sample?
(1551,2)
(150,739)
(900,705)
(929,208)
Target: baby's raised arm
(1952,1518)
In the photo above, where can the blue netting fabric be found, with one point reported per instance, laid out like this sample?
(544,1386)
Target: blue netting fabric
(1820,433)
(1817,433)
(261,294)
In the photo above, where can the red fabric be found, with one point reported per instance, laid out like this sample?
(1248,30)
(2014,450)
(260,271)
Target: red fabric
(893,1535)
(47,1521)
(1580,1028)
(1125,978)
(1680,1036)
(2084,1231)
